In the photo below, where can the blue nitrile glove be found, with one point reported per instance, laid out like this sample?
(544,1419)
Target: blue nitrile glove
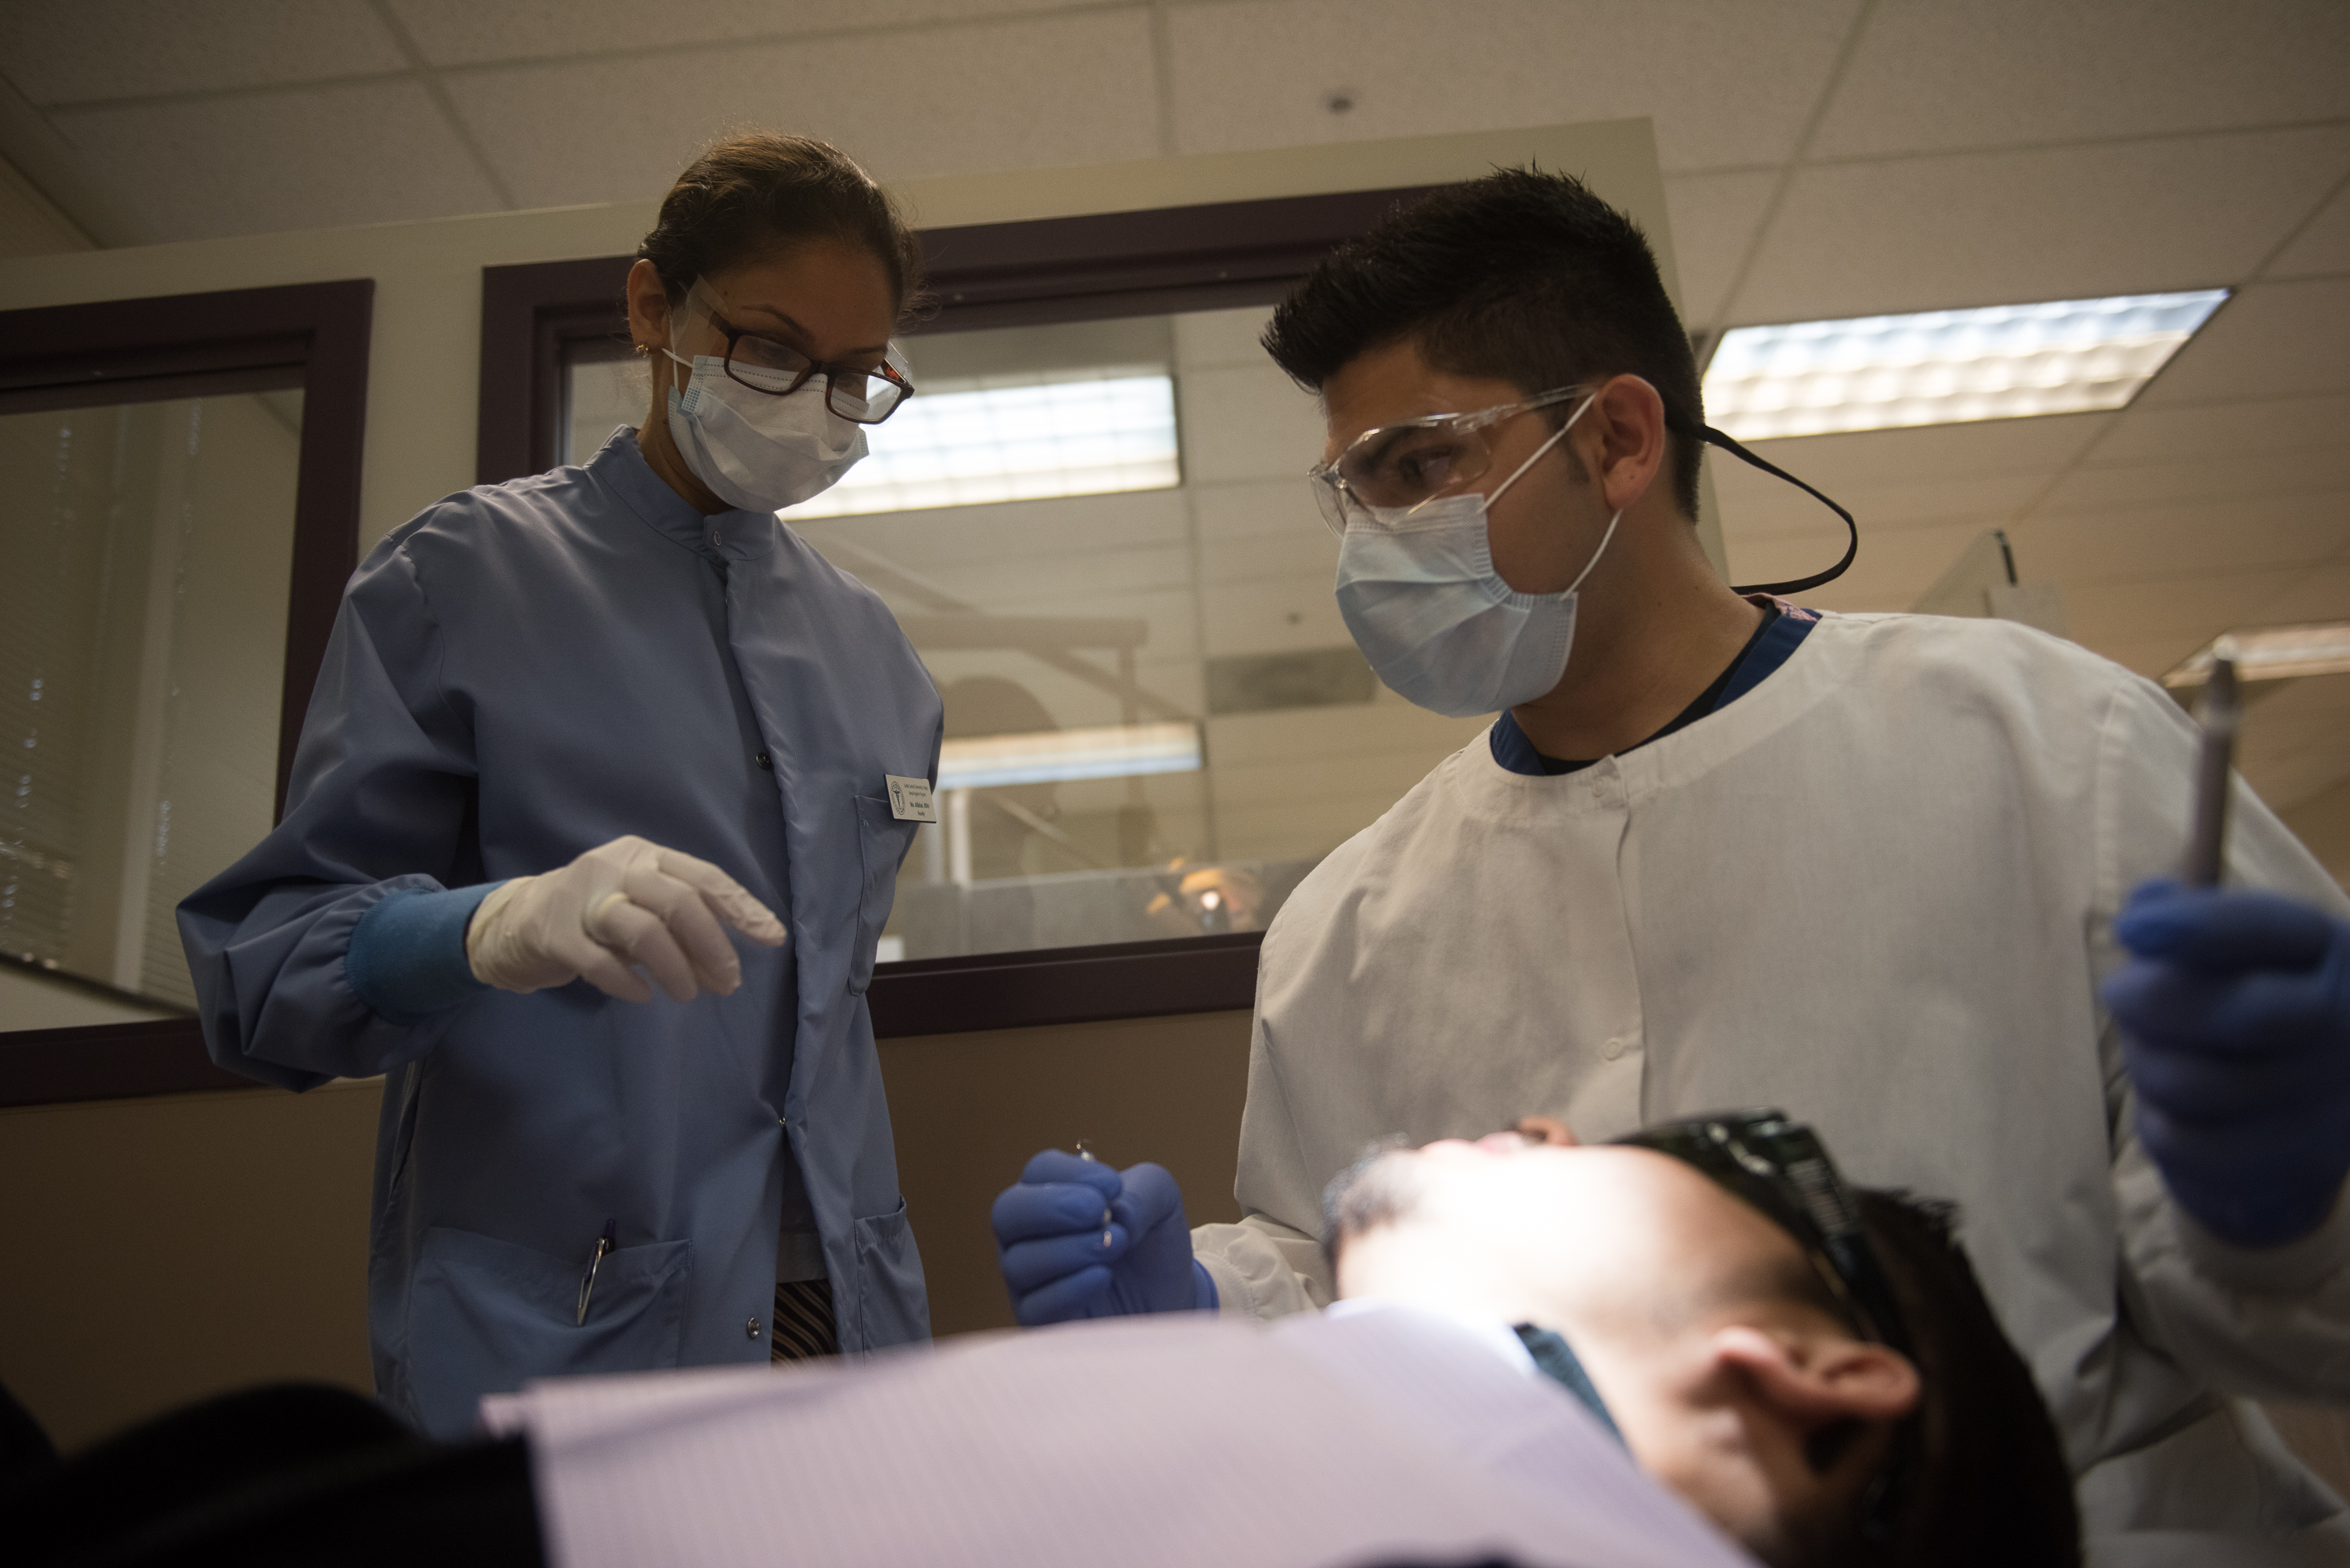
(1079,1239)
(2236,1026)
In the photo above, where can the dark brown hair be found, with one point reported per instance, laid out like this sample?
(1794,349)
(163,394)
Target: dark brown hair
(1525,276)
(1989,1482)
(760,192)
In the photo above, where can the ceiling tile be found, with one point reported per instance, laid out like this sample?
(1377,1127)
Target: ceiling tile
(1715,219)
(2041,445)
(130,49)
(2147,656)
(1205,337)
(1754,503)
(1931,76)
(2142,434)
(2198,607)
(1728,86)
(904,105)
(2012,227)
(1278,509)
(2217,475)
(1249,423)
(466,32)
(2320,593)
(1892,570)
(304,158)
(2320,250)
(2175,541)
(2273,337)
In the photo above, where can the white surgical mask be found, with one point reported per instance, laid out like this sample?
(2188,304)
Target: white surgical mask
(757,450)
(1420,593)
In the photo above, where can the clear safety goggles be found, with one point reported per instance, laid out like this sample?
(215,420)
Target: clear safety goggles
(864,394)
(1395,468)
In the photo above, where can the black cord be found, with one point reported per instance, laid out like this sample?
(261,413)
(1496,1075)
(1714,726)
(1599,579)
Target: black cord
(1713,437)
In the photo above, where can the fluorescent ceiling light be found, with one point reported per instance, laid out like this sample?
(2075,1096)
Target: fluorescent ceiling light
(1942,367)
(2274,653)
(1053,756)
(1088,434)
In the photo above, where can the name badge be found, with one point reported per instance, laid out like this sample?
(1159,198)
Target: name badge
(909,799)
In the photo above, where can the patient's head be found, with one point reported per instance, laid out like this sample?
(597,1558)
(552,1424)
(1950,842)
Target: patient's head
(1741,1376)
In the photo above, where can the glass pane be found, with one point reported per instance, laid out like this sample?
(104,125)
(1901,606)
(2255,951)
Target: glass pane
(145,550)
(602,391)
(1156,722)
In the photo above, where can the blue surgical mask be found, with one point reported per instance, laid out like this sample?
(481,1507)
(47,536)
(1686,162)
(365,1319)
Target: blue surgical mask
(1420,593)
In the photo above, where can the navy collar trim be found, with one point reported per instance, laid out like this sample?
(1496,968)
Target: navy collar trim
(1772,646)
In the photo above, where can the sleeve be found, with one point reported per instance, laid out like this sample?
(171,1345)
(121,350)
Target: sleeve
(379,803)
(2268,1321)
(1272,1262)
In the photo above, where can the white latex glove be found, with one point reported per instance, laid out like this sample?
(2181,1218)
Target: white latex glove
(621,904)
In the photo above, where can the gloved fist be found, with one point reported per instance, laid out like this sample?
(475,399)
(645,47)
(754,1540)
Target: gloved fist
(622,904)
(1079,1239)
(2236,1027)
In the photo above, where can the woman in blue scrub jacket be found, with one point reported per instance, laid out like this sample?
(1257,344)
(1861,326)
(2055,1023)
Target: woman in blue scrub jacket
(570,733)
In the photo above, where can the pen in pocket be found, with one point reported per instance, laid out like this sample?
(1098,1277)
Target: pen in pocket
(594,1258)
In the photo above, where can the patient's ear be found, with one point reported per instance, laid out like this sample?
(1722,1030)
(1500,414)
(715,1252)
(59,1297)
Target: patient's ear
(1816,1380)
(1545,1130)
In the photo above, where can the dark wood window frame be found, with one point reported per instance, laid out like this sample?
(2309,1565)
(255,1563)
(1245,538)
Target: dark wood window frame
(1219,255)
(312,335)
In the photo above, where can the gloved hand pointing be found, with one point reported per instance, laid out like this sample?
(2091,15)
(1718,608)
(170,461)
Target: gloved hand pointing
(2236,1028)
(624,903)
(1079,1239)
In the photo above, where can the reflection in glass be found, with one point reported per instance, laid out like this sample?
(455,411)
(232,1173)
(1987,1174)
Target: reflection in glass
(1156,722)
(145,550)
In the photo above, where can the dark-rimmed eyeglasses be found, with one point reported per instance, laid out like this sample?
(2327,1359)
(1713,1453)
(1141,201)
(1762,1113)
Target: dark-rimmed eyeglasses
(1781,1167)
(864,396)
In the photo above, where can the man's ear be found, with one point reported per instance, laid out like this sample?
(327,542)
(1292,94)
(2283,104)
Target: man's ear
(1627,417)
(1813,1381)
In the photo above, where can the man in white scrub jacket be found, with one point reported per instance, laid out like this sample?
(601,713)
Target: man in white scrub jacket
(1900,874)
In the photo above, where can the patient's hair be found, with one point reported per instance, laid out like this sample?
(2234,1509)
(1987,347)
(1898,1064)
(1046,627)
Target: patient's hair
(1523,276)
(1982,1477)
(751,194)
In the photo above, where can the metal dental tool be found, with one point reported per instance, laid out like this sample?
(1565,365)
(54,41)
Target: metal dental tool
(1085,1153)
(2220,712)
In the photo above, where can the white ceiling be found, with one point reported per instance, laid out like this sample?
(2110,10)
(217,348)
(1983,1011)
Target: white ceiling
(1823,158)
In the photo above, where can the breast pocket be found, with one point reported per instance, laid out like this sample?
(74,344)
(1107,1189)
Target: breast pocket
(881,841)
(484,1316)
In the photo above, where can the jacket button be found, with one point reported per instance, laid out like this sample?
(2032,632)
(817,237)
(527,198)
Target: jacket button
(763,759)
(751,1328)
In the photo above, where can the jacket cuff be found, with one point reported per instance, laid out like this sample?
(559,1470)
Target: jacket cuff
(2291,1269)
(407,955)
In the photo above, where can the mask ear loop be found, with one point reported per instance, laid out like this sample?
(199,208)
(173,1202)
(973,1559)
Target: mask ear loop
(1556,437)
(1600,552)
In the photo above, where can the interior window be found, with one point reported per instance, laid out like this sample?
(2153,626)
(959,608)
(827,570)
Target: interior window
(144,574)
(1099,538)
